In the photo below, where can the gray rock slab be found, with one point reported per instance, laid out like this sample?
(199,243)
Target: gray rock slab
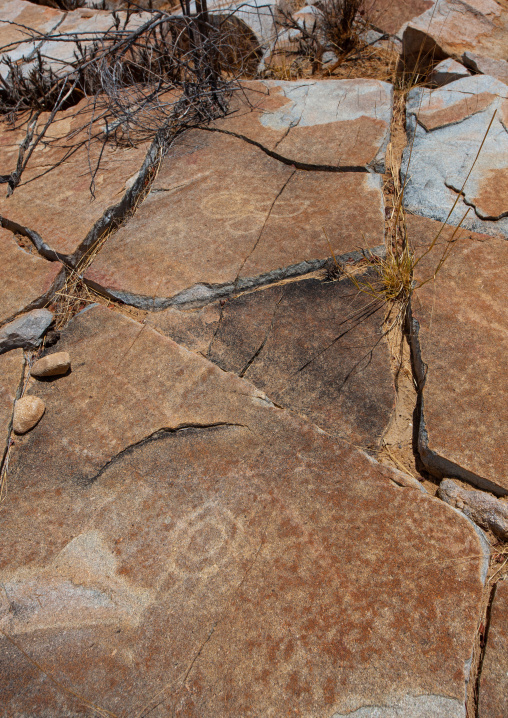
(174,541)
(26,330)
(448,126)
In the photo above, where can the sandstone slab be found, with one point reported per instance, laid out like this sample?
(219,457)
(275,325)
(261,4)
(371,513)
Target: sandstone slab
(455,28)
(28,280)
(313,346)
(493,692)
(313,124)
(58,205)
(448,125)
(223,215)
(11,374)
(26,331)
(231,567)
(460,353)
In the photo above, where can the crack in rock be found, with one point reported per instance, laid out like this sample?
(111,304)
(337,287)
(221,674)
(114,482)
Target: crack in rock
(157,436)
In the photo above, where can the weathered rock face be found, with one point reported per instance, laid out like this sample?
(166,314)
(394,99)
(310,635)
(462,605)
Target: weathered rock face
(312,346)
(27,279)
(224,213)
(449,125)
(58,206)
(25,331)
(461,30)
(245,563)
(460,353)
(493,693)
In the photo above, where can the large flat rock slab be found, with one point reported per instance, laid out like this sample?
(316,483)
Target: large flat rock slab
(449,125)
(493,691)
(57,197)
(27,278)
(338,123)
(313,346)
(472,32)
(246,564)
(223,215)
(461,354)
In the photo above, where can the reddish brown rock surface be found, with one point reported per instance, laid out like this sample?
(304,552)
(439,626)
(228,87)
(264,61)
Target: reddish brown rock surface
(246,564)
(27,278)
(221,212)
(493,693)
(312,346)
(462,338)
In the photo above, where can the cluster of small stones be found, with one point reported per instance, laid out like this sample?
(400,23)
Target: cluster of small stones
(198,519)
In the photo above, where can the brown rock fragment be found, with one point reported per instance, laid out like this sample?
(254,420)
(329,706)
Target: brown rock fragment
(28,412)
(52,365)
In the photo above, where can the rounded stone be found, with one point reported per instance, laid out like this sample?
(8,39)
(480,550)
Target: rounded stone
(52,365)
(27,413)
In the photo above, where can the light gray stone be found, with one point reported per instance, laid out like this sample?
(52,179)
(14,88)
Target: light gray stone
(483,508)
(25,331)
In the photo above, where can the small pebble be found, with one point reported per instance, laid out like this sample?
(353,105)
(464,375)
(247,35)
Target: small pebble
(52,365)
(27,413)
